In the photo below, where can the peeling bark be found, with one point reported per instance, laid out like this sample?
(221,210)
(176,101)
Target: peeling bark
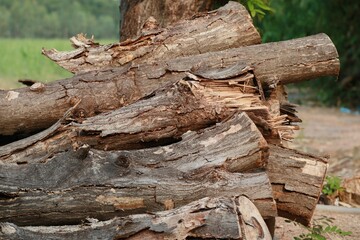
(297,179)
(284,62)
(200,219)
(159,119)
(157,122)
(102,184)
(240,130)
(228,27)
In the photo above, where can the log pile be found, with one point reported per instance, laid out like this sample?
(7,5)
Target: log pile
(167,135)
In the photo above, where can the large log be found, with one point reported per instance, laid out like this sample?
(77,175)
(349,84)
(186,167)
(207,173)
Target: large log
(25,110)
(68,186)
(297,179)
(228,27)
(239,219)
(159,119)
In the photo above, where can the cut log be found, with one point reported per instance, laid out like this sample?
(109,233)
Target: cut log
(239,219)
(297,179)
(70,185)
(284,62)
(228,27)
(160,119)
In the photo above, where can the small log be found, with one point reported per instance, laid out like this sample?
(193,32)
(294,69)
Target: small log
(297,179)
(239,219)
(228,27)
(70,185)
(284,62)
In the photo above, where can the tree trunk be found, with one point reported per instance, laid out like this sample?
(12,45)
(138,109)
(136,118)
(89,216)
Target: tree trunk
(160,119)
(271,63)
(200,219)
(133,14)
(228,27)
(297,179)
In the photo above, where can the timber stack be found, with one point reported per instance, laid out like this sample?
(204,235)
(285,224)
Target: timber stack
(177,133)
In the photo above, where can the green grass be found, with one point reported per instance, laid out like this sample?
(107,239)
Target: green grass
(22,59)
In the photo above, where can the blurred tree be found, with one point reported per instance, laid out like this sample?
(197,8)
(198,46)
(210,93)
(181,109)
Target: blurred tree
(4,22)
(58,19)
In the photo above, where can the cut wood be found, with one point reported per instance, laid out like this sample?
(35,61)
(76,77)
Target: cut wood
(70,185)
(228,27)
(297,179)
(156,123)
(160,119)
(200,219)
(284,62)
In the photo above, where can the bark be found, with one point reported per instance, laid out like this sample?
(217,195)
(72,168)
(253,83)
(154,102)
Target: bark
(284,62)
(228,27)
(133,14)
(297,180)
(239,219)
(68,186)
(238,130)
(160,119)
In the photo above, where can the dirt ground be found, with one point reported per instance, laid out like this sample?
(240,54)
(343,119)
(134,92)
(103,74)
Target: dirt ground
(345,221)
(330,133)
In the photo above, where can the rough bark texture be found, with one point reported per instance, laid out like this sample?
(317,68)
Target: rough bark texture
(285,62)
(228,27)
(133,14)
(158,122)
(297,180)
(239,219)
(101,184)
(160,119)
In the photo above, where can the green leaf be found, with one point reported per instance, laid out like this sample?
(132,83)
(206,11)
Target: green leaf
(345,233)
(251,8)
(333,229)
(317,237)
(259,11)
(262,5)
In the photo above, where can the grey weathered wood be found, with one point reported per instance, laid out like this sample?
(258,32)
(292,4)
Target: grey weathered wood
(164,117)
(297,180)
(228,27)
(220,218)
(287,61)
(66,187)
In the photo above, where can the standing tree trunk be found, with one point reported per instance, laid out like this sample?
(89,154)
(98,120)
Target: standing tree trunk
(134,13)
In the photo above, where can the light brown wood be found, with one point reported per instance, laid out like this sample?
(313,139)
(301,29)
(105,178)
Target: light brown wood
(297,180)
(228,27)
(218,218)
(67,186)
(104,91)
(160,119)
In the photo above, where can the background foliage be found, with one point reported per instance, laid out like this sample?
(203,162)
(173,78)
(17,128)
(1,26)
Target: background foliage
(338,19)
